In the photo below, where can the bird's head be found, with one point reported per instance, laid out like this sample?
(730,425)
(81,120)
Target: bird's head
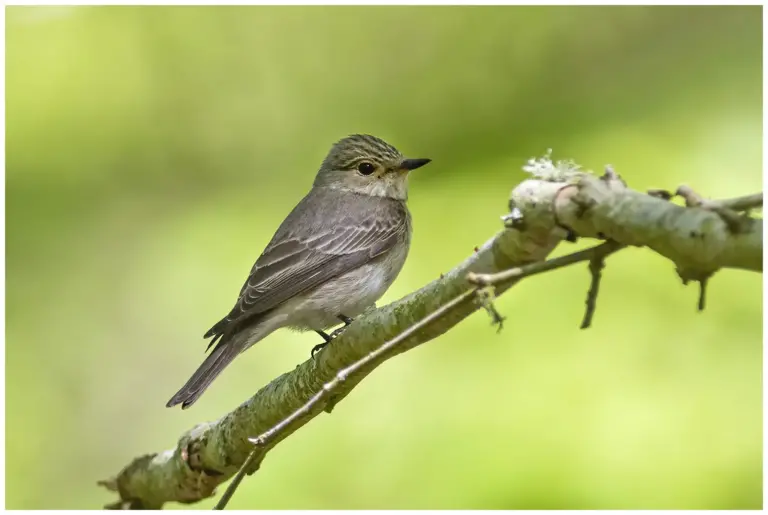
(367,165)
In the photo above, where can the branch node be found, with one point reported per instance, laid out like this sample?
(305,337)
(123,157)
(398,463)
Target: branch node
(692,199)
(736,223)
(514,219)
(610,177)
(258,440)
(477,279)
(662,194)
(609,174)
(485,298)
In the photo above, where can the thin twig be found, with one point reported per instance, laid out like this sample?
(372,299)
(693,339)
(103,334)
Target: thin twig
(702,293)
(599,251)
(727,209)
(596,266)
(595,255)
(256,453)
(262,441)
(744,203)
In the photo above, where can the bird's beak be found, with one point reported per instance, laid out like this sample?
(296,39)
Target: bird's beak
(412,164)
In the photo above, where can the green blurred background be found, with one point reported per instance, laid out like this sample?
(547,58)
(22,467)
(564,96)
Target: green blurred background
(152,151)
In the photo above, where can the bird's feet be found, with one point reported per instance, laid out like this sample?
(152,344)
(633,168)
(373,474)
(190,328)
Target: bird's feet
(345,319)
(329,337)
(321,346)
(336,333)
(317,348)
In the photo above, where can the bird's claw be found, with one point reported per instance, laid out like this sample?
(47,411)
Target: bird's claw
(329,337)
(347,320)
(317,348)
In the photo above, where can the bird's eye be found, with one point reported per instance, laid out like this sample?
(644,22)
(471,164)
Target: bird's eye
(366,168)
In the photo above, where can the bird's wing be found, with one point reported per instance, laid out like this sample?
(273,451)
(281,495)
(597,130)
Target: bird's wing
(295,263)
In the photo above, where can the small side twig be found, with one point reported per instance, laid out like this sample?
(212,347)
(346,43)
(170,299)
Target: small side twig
(599,251)
(262,441)
(252,463)
(702,278)
(702,293)
(693,199)
(596,266)
(744,203)
(727,209)
(595,255)
(610,176)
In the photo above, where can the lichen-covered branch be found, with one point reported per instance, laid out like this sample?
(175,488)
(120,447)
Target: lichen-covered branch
(559,200)
(699,240)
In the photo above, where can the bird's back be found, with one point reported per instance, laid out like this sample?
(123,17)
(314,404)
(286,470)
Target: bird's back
(305,235)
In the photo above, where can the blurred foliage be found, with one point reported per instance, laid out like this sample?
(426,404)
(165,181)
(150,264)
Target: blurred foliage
(152,151)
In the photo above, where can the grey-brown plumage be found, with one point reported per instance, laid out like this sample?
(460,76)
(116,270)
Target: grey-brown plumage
(334,255)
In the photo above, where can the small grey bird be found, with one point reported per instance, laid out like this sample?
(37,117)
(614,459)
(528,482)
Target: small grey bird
(335,255)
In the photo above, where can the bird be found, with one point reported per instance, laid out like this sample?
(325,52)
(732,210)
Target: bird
(333,257)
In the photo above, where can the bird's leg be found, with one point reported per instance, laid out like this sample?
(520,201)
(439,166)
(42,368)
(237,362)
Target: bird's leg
(345,319)
(340,330)
(328,337)
(320,346)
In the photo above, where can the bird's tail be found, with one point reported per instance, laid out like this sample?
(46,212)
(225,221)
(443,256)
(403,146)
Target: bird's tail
(222,355)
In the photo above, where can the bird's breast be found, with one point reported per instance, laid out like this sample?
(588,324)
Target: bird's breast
(348,294)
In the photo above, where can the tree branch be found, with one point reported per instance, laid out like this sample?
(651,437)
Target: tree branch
(260,443)
(559,200)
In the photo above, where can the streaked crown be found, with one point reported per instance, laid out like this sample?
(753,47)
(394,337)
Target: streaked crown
(367,165)
(347,153)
